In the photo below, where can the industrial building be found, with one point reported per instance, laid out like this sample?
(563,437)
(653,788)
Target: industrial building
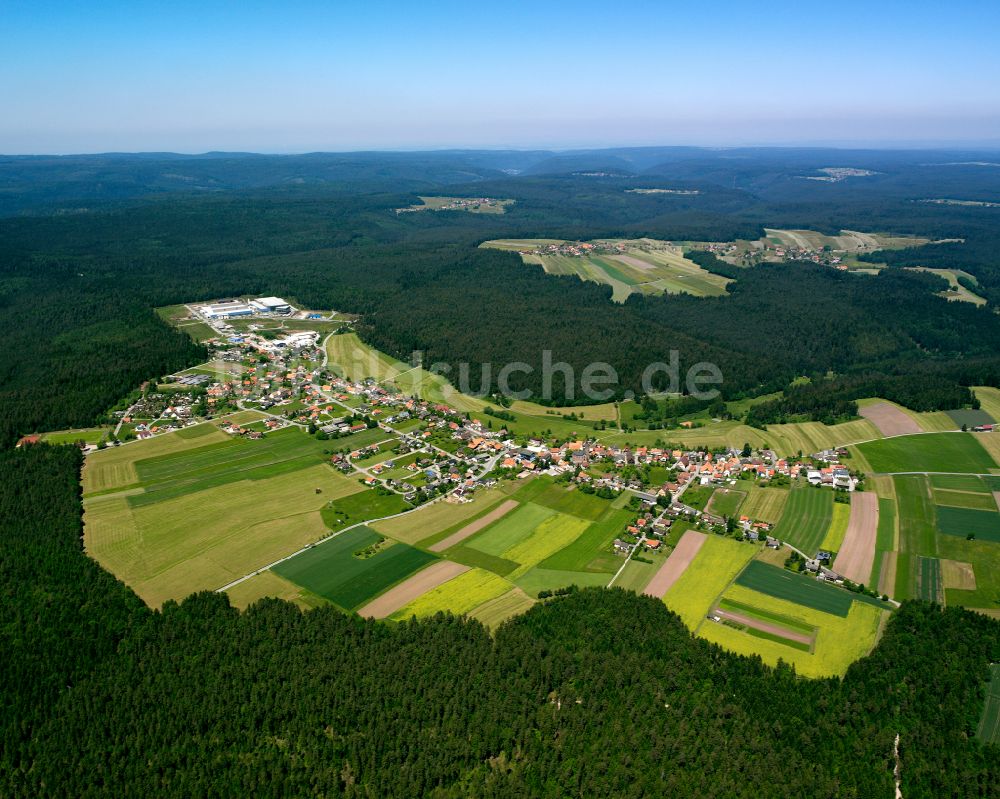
(226,309)
(271,305)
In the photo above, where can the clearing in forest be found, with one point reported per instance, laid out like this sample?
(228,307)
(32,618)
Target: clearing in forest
(644,266)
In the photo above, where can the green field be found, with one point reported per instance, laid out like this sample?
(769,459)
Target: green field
(582,554)
(930,452)
(574,502)
(806,518)
(697,496)
(637,573)
(362,506)
(549,537)
(917,531)
(196,509)
(714,567)
(496,611)
(436,521)
(885,538)
(839,640)
(539,579)
(930,588)
(765,504)
(959,482)
(976,500)
(961,522)
(726,502)
(797,588)
(988,728)
(332,571)
(970,418)
(834,537)
(458,595)
(180,473)
(89,435)
(510,530)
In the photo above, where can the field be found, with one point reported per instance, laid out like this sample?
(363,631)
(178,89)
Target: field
(785,439)
(269,584)
(989,400)
(806,519)
(332,570)
(412,588)
(197,509)
(549,538)
(962,522)
(579,556)
(956,290)
(930,452)
(113,468)
(917,533)
(715,566)
(848,241)
(641,266)
(89,435)
(976,500)
(675,566)
(890,419)
(856,553)
(988,728)
(797,588)
(637,574)
(360,507)
(885,542)
(930,586)
(726,502)
(834,537)
(496,611)
(475,526)
(765,504)
(459,595)
(991,443)
(838,640)
(970,417)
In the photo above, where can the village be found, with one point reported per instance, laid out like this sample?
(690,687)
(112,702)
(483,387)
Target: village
(422,450)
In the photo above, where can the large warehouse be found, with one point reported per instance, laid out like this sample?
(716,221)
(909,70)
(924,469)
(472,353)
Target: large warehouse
(271,305)
(226,309)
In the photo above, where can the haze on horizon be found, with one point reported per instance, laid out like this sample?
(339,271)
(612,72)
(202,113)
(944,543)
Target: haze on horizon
(306,75)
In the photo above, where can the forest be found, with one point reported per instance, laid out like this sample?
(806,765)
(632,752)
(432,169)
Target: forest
(595,693)
(79,276)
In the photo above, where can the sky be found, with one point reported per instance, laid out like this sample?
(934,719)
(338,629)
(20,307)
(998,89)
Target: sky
(301,76)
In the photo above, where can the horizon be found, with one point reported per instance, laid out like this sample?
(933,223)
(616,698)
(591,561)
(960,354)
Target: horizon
(939,146)
(312,77)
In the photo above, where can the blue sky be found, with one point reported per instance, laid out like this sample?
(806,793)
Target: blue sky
(299,76)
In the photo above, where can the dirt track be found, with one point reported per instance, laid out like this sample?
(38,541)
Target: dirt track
(889,419)
(676,564)
(767,627)
(408,590)
(996,498)
(474,527)
(857,554)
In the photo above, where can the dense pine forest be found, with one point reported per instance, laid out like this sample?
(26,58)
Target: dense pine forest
(81,269)
(599,693)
